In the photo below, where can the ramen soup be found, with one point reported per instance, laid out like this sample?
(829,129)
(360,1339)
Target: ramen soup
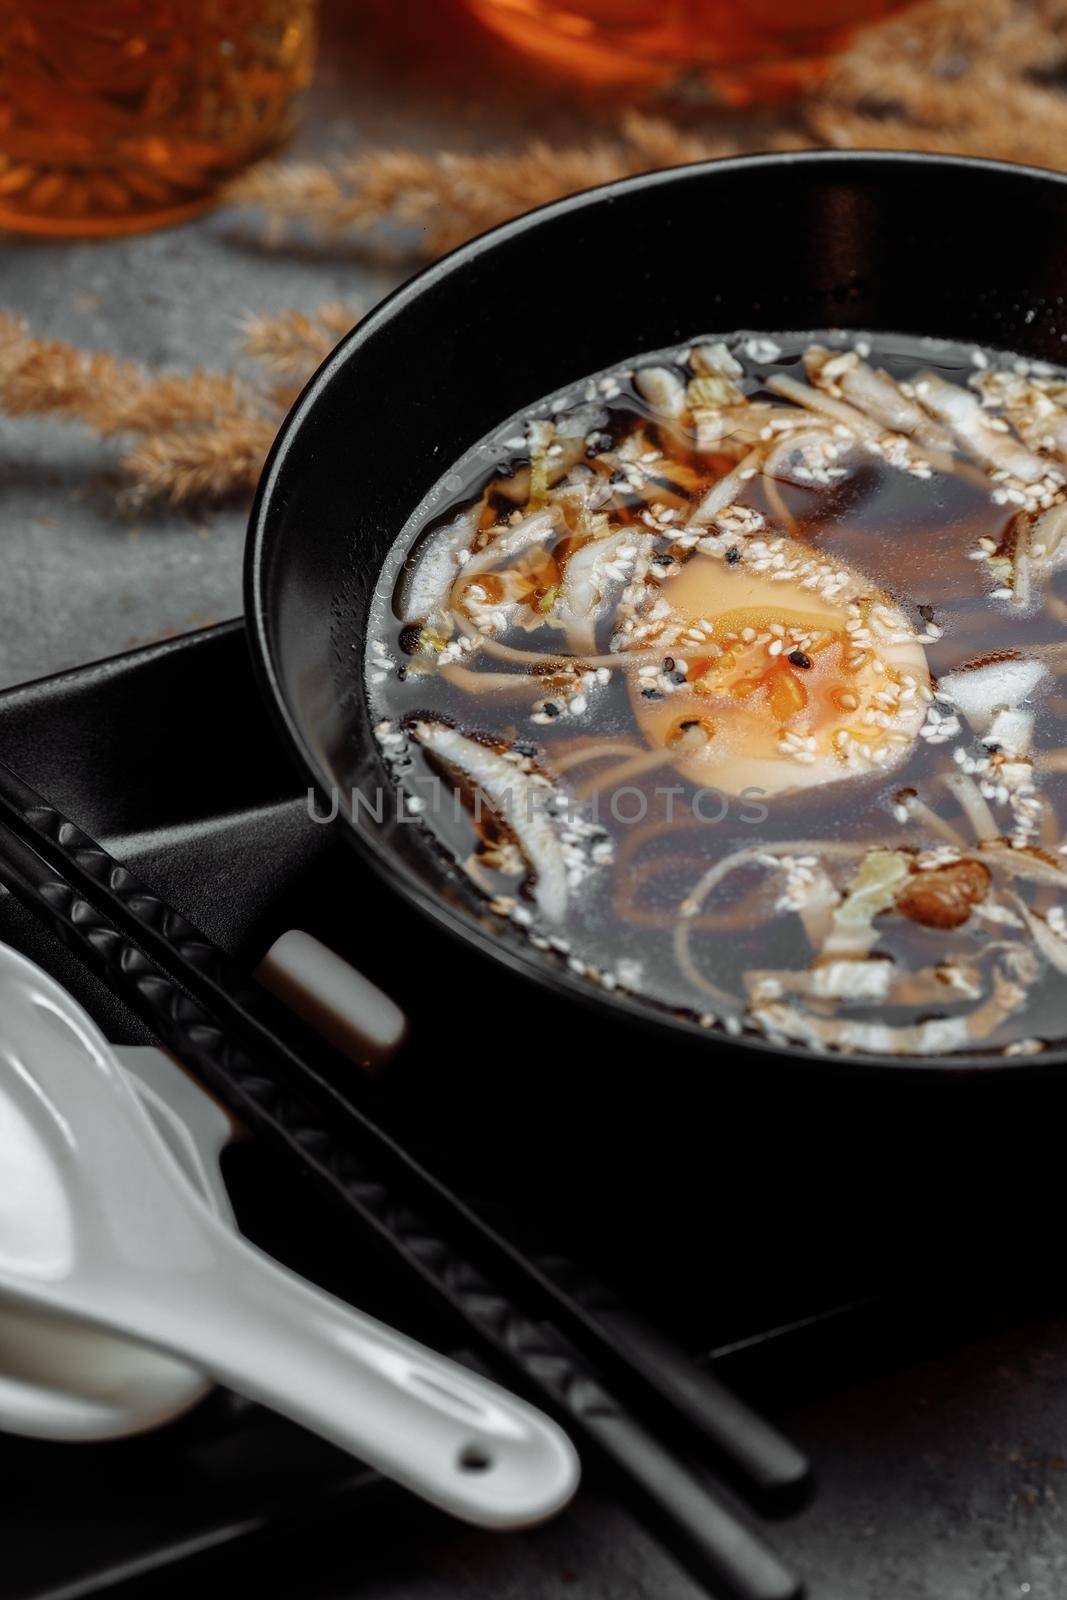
(736,677)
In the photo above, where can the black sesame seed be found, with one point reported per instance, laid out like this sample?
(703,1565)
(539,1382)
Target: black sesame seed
(668,664)
(550,708)
(409,638)
(652,694)
(733,555)
(401,673)
(927,613)
(799,659)
(522,747)
(663,561)
(677,676)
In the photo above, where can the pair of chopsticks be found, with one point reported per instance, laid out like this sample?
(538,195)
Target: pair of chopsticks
(578,1356)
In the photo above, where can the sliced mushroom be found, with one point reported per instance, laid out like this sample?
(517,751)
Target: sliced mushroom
(517,798)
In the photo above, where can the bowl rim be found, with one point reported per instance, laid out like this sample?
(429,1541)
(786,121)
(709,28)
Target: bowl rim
(384,861)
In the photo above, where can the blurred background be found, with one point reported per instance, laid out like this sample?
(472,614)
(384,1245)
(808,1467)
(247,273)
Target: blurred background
(129,113)
(170,169)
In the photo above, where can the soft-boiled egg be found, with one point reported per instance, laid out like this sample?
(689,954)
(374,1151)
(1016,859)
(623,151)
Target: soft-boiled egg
(786,671)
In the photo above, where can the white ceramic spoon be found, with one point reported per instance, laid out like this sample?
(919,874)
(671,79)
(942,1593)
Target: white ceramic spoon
(63,1379)
(98,1221)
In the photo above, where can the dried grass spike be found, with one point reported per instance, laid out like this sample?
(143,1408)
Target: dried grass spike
(290,343)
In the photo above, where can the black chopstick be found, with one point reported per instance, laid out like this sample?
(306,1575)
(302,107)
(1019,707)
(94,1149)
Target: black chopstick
(688,1388)
(702,1533)
(650,1370)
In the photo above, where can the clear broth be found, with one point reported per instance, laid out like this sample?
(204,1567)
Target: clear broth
(911,534)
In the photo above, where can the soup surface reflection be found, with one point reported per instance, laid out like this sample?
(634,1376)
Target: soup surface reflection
(734,676)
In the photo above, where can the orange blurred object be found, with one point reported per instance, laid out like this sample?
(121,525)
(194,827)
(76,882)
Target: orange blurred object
(117,115)
(744,50)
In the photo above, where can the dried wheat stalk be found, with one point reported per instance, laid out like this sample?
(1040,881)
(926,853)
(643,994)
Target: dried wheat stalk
(203,463)
(290,344)
(449,197)
(46,377)
(956,76)
(194,436)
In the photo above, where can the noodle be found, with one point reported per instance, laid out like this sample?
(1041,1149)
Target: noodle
(641,659)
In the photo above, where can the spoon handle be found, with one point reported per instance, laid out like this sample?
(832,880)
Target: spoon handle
(451,1435)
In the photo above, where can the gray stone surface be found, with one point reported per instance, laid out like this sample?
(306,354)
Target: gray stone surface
(939,1482)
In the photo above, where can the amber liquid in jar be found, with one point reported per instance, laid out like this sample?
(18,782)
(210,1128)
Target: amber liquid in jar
(744,50)
(117,115)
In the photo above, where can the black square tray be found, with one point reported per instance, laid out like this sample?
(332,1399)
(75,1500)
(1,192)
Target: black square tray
(806,1231)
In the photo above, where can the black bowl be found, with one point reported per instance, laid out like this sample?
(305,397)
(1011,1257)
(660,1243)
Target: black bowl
(966,250)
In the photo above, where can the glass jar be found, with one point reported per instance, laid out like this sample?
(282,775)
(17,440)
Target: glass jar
(744,50)
(117,115)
